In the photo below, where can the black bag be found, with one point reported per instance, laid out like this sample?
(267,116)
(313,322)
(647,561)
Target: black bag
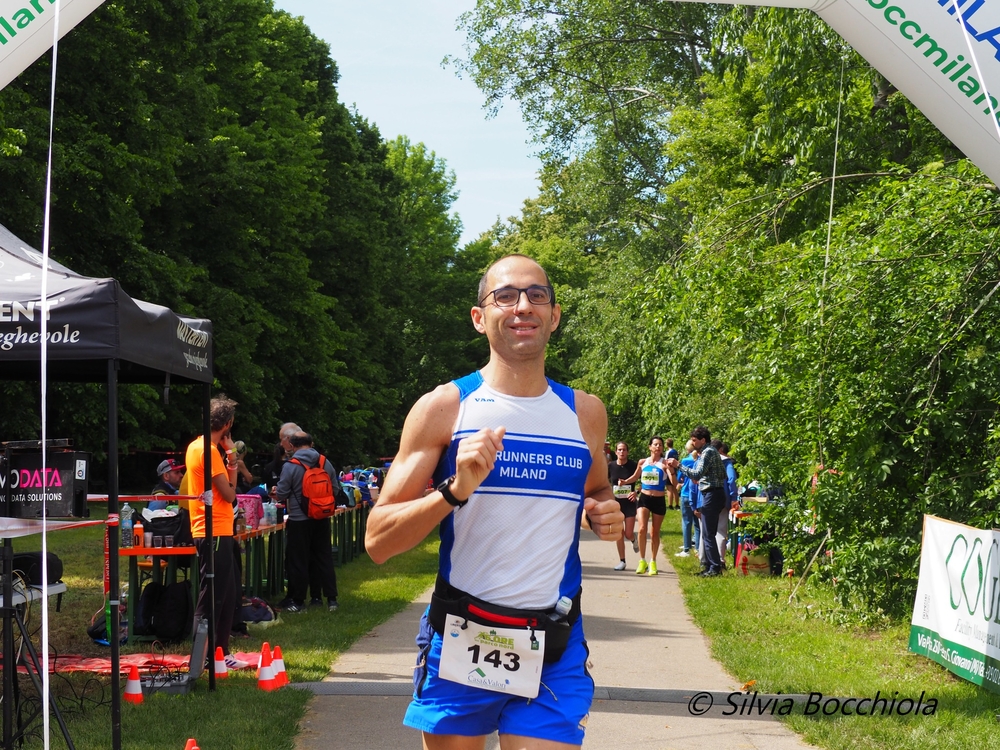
(172,614)
(257,610)
(148,602)
(179,527)
(446,600)
(29,565)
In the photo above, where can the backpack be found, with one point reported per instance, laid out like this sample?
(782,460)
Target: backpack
(172,612)
(317,490)
(148,601)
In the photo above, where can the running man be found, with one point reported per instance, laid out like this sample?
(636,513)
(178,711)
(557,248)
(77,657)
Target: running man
(618,471)
(519,466)
(654,475)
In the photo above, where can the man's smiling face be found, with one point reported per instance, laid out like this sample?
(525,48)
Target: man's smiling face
(522,330)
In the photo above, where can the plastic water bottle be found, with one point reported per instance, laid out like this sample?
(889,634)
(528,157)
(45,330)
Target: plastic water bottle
(125,519)
(564,605)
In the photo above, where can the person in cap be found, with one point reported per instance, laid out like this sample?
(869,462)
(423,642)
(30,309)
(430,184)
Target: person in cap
(170,473)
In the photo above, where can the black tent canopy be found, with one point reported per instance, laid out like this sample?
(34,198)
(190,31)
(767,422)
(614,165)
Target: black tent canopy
(97,333)
(90,322)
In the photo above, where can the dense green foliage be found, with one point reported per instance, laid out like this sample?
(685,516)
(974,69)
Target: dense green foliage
(691,212)
(202,158)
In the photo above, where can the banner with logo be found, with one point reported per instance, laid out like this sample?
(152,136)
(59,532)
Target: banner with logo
(26,30)
(923,48)
(88,322)
(956,615)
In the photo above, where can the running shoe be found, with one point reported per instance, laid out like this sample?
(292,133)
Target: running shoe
(683,553)
(332,605)
(635,542)
(641,568)
(233,663)
(293,608)
(652,567)
(620,566)
(315,602)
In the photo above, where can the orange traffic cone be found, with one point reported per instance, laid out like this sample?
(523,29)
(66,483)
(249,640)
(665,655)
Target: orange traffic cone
(191,744)
(278,664)
(260,659)
(221,670)
(266,680)
(133,688)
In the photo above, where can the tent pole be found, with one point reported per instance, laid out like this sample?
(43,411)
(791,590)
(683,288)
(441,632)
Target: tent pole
(209,531)
(113,539)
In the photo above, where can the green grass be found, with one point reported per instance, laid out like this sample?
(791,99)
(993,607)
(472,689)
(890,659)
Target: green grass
(237,714)
(798,648)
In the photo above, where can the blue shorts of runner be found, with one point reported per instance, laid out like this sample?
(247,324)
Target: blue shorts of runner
(559,712)
(656,504)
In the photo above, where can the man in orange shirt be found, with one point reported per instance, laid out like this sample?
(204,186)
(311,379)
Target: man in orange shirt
(222,499)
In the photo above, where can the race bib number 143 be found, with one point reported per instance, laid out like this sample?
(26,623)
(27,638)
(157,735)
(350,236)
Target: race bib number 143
(505,660)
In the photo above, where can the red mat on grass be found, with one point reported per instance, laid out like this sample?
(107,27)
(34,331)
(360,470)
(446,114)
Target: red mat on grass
(145,662)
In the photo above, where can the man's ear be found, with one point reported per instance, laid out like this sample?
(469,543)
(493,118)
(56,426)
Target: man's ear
(556,316)
(477,319)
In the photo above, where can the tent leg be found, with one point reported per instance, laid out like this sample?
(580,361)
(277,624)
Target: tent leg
(209,531)
(113,539)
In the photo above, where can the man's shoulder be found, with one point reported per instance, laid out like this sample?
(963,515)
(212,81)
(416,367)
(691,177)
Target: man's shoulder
(437,403)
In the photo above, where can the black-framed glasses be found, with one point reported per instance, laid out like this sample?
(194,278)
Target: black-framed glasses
(508,296)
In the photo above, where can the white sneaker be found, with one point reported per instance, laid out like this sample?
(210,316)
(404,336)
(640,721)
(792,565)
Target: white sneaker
(620,566)
(682,554)
(233,663)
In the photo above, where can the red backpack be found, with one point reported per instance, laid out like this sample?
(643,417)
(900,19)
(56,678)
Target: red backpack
(317,490)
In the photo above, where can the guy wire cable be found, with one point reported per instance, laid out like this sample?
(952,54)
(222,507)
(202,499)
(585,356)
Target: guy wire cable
(826,260)
(46,239)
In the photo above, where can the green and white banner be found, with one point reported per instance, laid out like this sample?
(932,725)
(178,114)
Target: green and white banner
(26,30)
(956,615)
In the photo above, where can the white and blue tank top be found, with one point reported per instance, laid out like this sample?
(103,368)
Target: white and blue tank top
(654,476)
(516,542)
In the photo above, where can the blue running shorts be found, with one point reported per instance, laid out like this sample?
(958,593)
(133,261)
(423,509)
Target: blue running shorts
(559,712)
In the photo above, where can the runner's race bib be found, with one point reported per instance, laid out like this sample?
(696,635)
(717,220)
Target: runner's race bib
(651,476)
(504,660)
(622,491)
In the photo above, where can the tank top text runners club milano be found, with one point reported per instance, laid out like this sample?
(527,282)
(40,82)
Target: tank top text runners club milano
(515,543)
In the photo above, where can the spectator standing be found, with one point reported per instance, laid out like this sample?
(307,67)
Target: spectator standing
(223,499)
(282,452)
(618,472)
(732,499)
(711,476)
(673,501)
(309,554)
(690,498)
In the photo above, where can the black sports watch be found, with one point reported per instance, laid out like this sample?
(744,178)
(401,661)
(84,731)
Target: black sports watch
(445,489)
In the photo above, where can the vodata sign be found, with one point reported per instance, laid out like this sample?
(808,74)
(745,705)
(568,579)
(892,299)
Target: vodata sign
(929,49)
(26,30)
(57,489)
(956,615)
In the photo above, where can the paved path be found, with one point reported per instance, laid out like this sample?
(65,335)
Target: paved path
(648,660)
